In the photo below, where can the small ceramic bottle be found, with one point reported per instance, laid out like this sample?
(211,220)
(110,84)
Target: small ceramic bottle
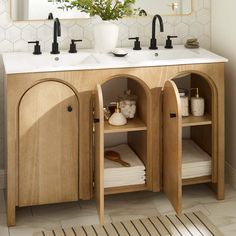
(197,104)
(117,117)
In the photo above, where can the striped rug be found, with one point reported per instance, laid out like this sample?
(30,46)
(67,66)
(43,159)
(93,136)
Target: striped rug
(188,224)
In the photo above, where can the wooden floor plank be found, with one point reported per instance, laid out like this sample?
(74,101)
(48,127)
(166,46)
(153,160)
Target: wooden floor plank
(139,226)
(189,225)
(110,230)
(153,230)
(120,228)
(90,231)
(79,231)
(160,226)
(202,228)
(179,225)
(130,228)
(100,230)
(208,224)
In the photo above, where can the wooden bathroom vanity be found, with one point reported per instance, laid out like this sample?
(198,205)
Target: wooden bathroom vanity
(55,129)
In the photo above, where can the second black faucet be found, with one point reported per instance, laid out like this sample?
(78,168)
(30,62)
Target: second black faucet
(56,33)
(153,43)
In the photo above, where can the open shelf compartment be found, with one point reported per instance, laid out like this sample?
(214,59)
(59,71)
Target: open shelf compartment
(135,124)
(135,135)
(196,120)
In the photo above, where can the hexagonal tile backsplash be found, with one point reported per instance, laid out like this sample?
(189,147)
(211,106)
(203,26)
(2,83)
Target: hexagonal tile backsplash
(15,35)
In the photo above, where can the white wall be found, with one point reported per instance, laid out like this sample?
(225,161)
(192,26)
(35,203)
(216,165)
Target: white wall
(224,43)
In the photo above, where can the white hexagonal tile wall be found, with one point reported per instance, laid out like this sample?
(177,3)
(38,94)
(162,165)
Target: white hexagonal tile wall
(203,16)
(168,30)
(6,46)
(123,31)
(136,30)
(29,33)
(207,4)
(5,20)
(21,46)
(174,20)
(196,29)
(44,33)
(3,7)
(2,34)
(144,20)
(189,19)
(13,34)
(181,30)
(198,4)
(75,32)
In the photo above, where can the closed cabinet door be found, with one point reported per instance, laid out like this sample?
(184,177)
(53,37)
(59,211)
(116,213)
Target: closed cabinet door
(172,145)
(48,144)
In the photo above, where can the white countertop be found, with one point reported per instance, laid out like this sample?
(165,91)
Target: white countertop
(26,62)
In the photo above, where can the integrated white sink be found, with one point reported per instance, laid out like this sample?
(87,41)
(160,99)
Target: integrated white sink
(89,59)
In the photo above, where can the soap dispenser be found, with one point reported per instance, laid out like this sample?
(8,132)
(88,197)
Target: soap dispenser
(117,117)
(197,104)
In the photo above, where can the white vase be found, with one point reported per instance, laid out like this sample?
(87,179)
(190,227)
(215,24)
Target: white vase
(105,36)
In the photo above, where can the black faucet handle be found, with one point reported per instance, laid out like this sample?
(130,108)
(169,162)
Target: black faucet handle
(73,45)
(169,41)
(136,43)
(37,50)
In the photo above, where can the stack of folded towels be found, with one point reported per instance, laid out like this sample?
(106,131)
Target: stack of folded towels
(116,175)
(192,43)
(195,161)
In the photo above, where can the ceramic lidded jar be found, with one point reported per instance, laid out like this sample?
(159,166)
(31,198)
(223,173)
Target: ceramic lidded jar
(128,104)
(183,93)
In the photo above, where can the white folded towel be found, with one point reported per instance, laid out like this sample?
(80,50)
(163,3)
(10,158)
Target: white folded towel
(195,161)
(116,175)
(126,154)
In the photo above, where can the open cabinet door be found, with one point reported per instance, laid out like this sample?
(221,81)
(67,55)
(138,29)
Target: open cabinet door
(172,145)
(99,153)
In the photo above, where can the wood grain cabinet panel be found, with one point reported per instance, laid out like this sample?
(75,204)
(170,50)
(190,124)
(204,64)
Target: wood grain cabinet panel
(48,144)
(46,121)
(172,149)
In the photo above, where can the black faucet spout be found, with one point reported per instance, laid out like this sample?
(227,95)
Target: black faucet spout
(153,43)
(56,33)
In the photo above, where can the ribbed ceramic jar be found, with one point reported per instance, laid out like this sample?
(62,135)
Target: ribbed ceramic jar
(105,36)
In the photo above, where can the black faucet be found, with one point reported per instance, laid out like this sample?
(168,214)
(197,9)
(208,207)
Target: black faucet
(153,43)
(56,33)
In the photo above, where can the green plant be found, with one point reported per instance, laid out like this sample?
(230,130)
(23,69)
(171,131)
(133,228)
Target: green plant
(106,9)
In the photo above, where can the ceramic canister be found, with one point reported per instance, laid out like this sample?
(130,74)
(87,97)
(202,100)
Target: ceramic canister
(184,102)
(197,106)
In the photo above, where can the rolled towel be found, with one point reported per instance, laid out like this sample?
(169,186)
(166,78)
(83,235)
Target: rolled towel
(192,43)
(193,40)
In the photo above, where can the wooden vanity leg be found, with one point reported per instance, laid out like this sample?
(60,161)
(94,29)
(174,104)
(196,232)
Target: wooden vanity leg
(11,193)
(11,215)
(221,142)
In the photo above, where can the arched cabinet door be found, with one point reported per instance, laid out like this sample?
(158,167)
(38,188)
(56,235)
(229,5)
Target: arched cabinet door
(172,145)
(48,144)
(99,153)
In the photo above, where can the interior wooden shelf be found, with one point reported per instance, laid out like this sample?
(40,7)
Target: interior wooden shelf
(196,120)
(133,125)
(198,180)
(125,189)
